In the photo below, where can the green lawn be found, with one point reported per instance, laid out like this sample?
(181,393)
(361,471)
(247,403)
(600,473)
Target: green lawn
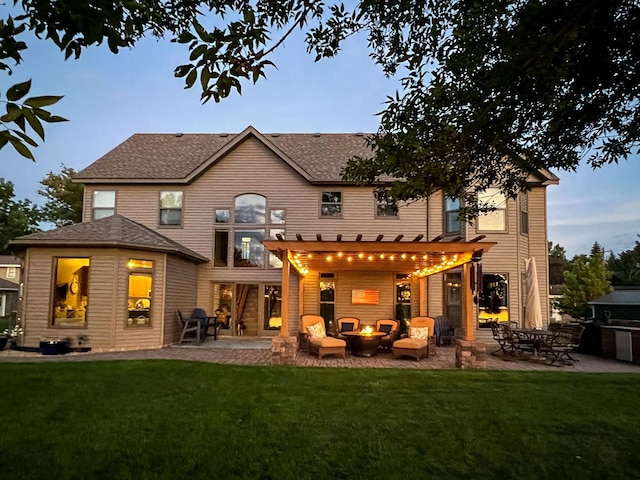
(175,420)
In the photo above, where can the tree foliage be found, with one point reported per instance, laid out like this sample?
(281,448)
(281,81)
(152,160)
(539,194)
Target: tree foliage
(489,92)
(64,198)
(558,263)
(625,268)
(16,217)
(586,280)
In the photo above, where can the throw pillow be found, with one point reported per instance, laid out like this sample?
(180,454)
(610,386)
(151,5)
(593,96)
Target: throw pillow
(421,333)
(316,330)
(347,327)
(386,328)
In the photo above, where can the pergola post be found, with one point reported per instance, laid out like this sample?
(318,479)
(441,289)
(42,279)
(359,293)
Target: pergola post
(469,352)
(286,274)
(468,307)
(283,347)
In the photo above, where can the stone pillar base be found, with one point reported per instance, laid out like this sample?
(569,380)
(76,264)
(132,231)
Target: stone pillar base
(283,350)
(471,354)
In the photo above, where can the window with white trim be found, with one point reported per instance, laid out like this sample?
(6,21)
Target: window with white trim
(104,204)
(171,208)
(451,212)
(331,204)
(495,220)
(385,207)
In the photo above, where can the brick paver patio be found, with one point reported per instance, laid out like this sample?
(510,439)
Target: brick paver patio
(258,352)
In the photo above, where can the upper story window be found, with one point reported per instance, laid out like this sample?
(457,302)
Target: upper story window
(331,204)
(222,216)
(278,217)
(451,212)
(385,207)
(250,208)
(524,213)
(495,220)
(104,204)
(171,208)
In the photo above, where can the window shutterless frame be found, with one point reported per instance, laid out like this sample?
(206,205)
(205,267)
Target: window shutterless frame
(330,204)
(103,204)
(496,220)
(171,208)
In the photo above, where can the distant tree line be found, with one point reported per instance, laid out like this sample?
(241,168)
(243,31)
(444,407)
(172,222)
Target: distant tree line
(587,277)
(21,217)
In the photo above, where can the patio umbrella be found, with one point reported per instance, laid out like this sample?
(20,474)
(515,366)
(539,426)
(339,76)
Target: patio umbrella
(533,310)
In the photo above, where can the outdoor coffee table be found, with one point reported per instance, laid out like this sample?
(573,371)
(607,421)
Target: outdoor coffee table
(364,345)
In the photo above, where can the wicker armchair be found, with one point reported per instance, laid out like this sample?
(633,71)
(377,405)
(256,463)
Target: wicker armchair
(417,347)
(347,324)
(321,344)
(390,327)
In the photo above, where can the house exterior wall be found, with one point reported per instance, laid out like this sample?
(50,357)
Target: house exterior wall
(106,317)
(181,276)
(253,168)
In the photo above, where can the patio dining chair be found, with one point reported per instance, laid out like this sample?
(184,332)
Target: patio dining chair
(420,342)
(500,337)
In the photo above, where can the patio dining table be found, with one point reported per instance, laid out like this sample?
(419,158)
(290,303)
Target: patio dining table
(533,337)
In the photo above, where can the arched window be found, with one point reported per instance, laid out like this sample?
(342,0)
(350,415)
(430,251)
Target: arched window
(250,208)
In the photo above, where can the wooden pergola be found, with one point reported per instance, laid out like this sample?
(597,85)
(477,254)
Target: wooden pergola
(419,257)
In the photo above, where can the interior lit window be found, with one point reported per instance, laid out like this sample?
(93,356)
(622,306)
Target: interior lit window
(327,300)
(140,286)
(71,293)
(248,248)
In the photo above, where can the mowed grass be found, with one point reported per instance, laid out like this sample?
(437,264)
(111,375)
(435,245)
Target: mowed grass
(174,420)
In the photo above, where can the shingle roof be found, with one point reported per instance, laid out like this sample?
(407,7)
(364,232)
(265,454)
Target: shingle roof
(180,157)
(113,231)
(6,285)
(9,260)
(619,297)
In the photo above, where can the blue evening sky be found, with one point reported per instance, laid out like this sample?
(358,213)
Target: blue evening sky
(108,98)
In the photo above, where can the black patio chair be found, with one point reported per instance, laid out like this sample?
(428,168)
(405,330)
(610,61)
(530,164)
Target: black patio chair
(500,337)
(444,331)
(190,328)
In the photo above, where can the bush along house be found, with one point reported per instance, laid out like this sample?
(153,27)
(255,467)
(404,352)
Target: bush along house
(260,229)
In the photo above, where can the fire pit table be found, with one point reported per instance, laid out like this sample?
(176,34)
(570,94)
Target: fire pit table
(364,344)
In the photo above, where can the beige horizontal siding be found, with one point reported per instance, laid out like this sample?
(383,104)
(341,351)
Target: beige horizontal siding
(252,168)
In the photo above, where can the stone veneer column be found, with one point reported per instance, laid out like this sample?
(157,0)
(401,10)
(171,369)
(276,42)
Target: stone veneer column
(283,350)
(471,354)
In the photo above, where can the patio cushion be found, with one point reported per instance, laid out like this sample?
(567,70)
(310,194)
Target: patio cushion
(328,342)
(410,343)
(419,332)
(386,328)
(347,327)
(316,330)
